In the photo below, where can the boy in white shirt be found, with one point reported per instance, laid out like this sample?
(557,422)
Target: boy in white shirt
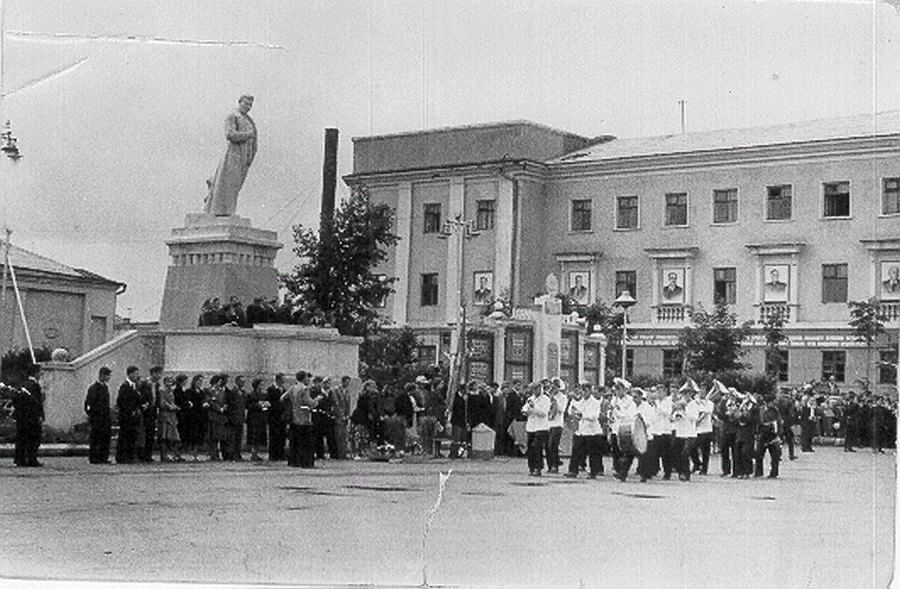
(588,435)
(537,427)
(684,420)
(700,454)
(558,401)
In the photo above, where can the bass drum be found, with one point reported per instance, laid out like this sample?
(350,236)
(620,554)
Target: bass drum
(632,437)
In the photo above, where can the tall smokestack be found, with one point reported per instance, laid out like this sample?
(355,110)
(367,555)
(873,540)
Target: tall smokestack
(329,183)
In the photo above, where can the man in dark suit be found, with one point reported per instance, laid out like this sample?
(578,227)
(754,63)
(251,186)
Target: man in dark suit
(96,405)
(788,414)
(28,407)
(128,405)
(850,422)
(235,413)
(255,312)
(149,391)
(277,427)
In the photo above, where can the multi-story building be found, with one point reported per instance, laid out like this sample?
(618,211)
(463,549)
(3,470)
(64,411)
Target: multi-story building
(796,219)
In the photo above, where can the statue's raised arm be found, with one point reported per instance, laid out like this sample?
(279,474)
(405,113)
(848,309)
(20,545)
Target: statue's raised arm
(226,183)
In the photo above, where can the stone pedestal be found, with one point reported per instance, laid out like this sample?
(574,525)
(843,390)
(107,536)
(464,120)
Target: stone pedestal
(216,257)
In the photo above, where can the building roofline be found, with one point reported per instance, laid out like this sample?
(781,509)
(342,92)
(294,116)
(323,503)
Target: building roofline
(522,163)
(473,126)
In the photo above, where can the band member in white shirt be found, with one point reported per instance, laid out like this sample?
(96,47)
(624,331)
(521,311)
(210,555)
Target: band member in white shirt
(588,435)
(684,420)
(662,432)
(537,426)
(700,454)
(626,414)
(558,400)
(622,412)
(648,463)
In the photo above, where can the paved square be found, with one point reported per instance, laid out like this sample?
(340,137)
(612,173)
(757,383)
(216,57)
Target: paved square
(828,522)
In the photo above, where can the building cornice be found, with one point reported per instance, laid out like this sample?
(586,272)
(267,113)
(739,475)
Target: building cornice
(886,244)
(775,249)
(734,156)
(662,253)
(487,169)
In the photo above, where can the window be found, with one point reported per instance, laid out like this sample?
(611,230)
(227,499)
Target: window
(429,290)
(671,363)
(833,365)
(837,199)
(777,364)
(676,209)
(724,285)
(427,354)
(778,203)
(484,217)
(432,218)
(627,212)
(834,283)
(725,206)
(581,215)
(887,366)
(890,196)
(626,280)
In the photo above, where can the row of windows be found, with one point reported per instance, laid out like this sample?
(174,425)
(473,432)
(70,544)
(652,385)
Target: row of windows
(834,363)
(779,205)
(834,284)
(484,216)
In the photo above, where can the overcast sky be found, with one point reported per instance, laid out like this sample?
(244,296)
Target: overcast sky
(117,148)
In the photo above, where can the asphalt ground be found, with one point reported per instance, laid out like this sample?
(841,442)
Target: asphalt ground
(827,522)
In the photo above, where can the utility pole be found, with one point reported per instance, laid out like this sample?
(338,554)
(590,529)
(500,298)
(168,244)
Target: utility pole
(681,104)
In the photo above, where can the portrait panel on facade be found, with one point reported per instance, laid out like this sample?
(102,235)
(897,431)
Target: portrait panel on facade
(776,286)
(580,287)
(672,290)
(484,288)
(890,280)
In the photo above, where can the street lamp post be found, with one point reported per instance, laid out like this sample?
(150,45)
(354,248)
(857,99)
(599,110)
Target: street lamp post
(625,300)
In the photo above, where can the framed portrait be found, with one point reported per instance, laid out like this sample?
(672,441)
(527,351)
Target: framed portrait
(672,289)
(776,283)
(483,288)
(580,287)
(890,280)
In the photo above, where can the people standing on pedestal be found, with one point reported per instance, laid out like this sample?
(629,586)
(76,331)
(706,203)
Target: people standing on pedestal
(257,412)
(277,425)
(128,408)
(97,408)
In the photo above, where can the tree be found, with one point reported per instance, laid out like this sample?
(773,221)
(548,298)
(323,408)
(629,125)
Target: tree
(773,331)
(332,282)
(713,342)
(867,322)
(390,357)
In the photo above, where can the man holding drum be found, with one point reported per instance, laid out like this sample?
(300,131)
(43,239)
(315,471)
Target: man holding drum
(628,416)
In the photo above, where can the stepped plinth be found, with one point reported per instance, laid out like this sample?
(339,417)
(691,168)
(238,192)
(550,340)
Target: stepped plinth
(216,257)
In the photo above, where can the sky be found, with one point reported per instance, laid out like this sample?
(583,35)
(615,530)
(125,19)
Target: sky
(124,127)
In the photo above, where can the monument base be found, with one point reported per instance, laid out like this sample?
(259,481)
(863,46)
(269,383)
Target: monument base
(216,257)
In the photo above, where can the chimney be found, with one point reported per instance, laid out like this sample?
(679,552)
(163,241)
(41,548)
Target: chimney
(329,183)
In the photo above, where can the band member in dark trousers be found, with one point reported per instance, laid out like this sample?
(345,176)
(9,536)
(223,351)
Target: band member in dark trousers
(302,435)
(748,417)
(849,422)
(586,413)
(28,411)
(235,414)
(807,423)
(726,415)
(662,435)
(785,405)
(768,438)
(323,422)
(96,405)
(277,426)
(558,402)
(128,408)
(537,427)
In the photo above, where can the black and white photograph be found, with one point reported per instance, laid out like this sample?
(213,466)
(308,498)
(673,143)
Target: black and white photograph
(483,288)
(483,293)
(777,283)
(579,287)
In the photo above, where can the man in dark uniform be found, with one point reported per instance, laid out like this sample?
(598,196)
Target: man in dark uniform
(96,405)
(788,414)
(149,391)
(128,405)
(726,415)
(323,420)
(747,420)
(255,312)
(767,438)
(28,407)
(851,417)
(235,415)
(277,427)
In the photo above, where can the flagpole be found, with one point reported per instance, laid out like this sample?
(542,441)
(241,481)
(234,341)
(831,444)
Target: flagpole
(3,287)
(12,274)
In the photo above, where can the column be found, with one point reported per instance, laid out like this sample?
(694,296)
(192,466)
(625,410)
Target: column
(603,362)
(503,237)
(582,338)
(455,207)
(499,354)
(759,279)
(401,252)
(654,318)
(688,281)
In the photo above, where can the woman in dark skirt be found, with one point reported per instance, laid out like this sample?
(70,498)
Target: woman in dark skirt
(257,408)
(214,403)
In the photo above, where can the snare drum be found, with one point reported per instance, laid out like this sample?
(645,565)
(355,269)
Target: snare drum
(632,437)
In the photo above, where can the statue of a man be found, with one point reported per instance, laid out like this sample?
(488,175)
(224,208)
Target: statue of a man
(240,131)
